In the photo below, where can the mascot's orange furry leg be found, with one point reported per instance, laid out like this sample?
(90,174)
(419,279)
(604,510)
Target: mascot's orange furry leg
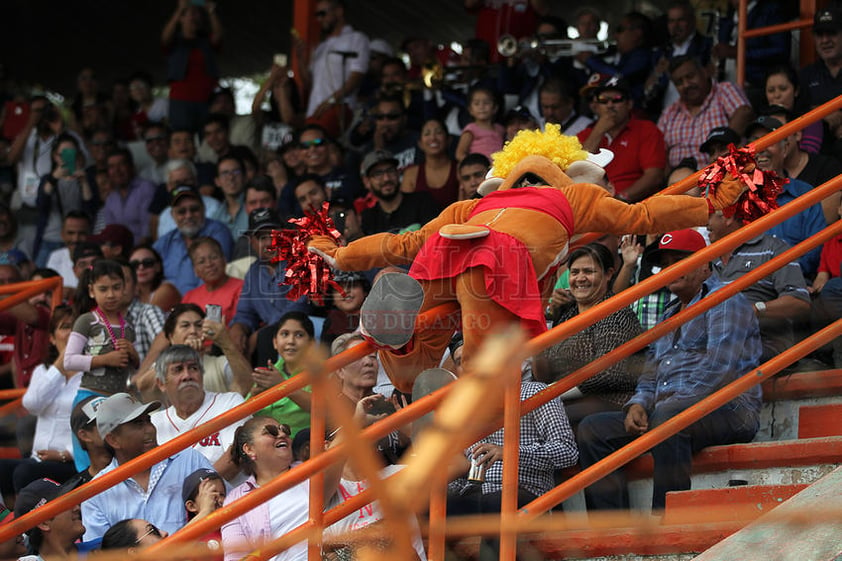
(479,315)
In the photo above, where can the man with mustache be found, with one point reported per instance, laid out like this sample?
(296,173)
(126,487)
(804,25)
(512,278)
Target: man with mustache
(124,425)
(188,211)
(179,372)
(702,105)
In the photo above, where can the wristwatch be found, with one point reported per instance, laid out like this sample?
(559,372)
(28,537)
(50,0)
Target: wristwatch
(331,99)
(760,308)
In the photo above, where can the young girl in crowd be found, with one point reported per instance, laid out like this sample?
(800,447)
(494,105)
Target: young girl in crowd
(483,135)
(100,344)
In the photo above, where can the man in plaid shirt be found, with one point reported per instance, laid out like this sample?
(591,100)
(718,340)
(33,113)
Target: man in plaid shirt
(546,445)
(702,106)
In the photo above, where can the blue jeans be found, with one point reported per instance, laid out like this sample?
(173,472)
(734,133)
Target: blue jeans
(602,433)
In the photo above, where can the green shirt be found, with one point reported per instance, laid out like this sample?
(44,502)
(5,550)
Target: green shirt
(286,410)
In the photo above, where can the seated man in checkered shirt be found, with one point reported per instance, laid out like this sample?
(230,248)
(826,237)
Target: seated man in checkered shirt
(547,444)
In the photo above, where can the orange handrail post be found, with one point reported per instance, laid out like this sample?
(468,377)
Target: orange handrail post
(437,518)
(317,482)
(807,50)
(742,13)
(687,417)
(511,460)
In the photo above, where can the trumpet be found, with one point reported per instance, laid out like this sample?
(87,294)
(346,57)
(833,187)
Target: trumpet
(434,75)
(508,46)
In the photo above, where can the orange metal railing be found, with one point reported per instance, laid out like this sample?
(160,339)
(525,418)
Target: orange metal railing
(21,292)
(421,407)
(808,9)
(189,438)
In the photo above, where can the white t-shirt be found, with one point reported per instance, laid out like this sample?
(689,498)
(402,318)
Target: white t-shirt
(368,514)
(50,397)
(170,425)
(288,511)
(61,262)
(327,65)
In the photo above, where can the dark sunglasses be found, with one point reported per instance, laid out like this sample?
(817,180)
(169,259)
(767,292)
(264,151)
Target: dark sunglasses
(157,138)
(305,144)
(320,13)
(102,143)
(387,116)
(150,531)
(275,430)
(605,99)
(147,263)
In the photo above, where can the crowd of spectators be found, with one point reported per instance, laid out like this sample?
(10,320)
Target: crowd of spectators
(158,215)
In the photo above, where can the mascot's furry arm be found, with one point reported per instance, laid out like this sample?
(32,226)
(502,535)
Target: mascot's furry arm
(380,250)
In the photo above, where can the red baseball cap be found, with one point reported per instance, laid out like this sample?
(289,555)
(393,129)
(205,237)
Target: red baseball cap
(688,240)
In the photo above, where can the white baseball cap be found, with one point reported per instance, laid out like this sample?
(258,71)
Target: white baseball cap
(118,409)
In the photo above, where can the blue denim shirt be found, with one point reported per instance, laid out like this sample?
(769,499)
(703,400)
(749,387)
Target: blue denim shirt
(703,355)
(801,226)
(263,298)
(178,269)
(160,504)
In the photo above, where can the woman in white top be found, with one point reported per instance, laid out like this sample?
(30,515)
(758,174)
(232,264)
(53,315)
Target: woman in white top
(50,397)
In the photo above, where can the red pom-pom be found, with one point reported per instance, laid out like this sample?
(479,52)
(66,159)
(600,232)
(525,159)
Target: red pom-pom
(307,274)
(763,186)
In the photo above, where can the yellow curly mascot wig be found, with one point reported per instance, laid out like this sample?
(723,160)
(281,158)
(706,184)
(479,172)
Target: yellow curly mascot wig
(497,256)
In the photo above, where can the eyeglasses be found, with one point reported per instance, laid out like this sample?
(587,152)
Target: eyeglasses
(383,172)
(156,138)
(275,430)
(151,530)
(320,13)
(305,144)
(387,116)
(196,209)
(606,99)
(147,263)
(231,173)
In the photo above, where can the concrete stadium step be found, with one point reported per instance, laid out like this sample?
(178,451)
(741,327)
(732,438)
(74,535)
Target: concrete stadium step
(801,385)
(816,421)
(784,398)
(814,531)
(754,455)
(744,502)
(667,542)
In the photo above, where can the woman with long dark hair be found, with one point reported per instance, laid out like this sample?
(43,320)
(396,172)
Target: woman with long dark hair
(151,288)
(591,270)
